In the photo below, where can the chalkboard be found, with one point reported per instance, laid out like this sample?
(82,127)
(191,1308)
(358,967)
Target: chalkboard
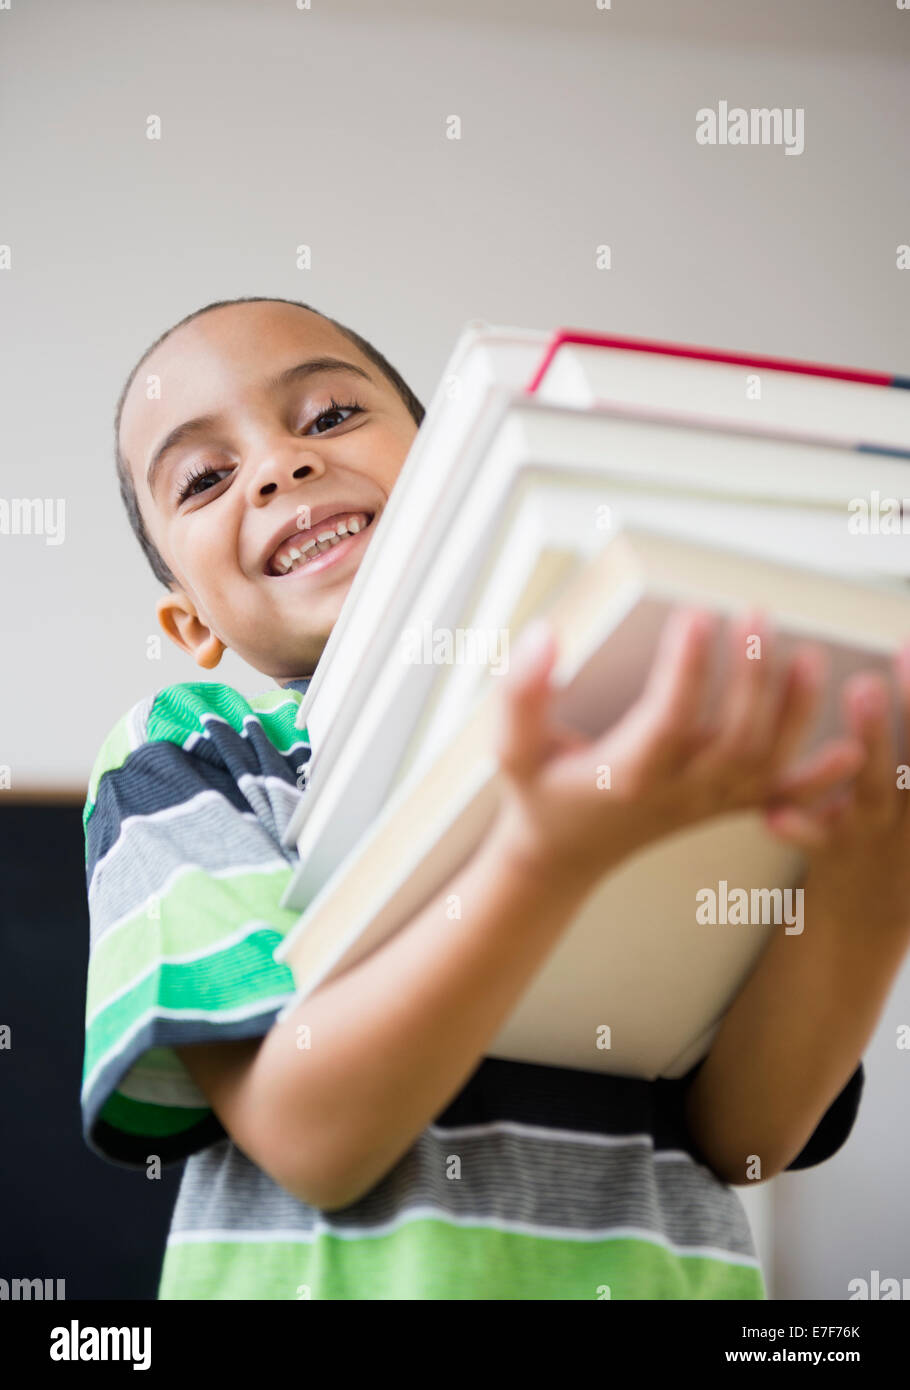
(65,1213)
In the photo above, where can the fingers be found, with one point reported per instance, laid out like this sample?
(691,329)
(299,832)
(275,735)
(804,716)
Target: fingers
(764,714)
(522,736)
(820,772)
(667,713)
(762,718)
(867,708)
(746,708)
(564,739)
(800,698)
(866,759)
(755,712)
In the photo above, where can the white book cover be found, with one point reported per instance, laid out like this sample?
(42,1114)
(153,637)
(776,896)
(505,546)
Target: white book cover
(756,394)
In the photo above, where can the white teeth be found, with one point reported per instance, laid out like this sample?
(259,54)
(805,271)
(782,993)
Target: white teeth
(317,545)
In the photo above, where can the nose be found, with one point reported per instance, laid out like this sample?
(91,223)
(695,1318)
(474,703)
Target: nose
(282,465)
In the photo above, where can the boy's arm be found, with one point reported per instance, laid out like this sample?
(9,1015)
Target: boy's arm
(393,1039)
(796,1032)
(790,1043)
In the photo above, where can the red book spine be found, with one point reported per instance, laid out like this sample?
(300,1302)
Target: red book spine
(777,364)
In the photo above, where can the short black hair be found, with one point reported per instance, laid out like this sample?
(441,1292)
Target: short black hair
(127,488)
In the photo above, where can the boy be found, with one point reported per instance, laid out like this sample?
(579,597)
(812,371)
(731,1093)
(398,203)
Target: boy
(361,1145)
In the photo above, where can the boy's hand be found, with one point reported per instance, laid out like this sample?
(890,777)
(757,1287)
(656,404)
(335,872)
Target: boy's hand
(564,814)
(857,838)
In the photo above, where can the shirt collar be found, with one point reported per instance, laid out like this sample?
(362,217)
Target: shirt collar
(302,684)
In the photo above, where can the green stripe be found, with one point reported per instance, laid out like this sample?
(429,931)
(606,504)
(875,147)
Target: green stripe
(428,1259)
(198,914)
(141,1117)
(270,700)
(219,982)
(177,713)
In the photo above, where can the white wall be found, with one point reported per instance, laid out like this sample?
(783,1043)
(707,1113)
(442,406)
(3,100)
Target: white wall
(326,127)
(851,1215)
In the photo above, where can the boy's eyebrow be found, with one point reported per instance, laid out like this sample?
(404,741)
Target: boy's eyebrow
(313,365)
(176,436)
(188,428)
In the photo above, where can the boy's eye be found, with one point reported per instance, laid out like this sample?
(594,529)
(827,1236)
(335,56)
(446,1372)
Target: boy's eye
(188,488)
(333,414)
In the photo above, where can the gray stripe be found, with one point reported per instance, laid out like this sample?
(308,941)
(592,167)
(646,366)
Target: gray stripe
(274,799)
(152,848)
(561,1183)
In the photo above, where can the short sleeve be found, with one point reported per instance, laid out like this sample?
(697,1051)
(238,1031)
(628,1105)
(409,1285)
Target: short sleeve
(834,1127)
(830,1134)
(184,885)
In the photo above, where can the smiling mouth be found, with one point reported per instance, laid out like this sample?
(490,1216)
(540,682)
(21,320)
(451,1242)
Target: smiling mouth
(300,551)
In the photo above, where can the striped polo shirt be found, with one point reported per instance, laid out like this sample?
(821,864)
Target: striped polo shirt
(534,1183)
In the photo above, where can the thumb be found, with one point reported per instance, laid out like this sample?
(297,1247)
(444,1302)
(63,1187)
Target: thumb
(523,736)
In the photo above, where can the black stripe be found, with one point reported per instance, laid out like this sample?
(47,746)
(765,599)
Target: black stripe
(596,1103)
(132,1150)
(568,1098)
(159,775)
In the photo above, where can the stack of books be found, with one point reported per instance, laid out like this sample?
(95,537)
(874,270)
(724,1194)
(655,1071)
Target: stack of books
(601,481)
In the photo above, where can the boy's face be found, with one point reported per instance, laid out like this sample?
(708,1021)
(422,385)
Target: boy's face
(265,456)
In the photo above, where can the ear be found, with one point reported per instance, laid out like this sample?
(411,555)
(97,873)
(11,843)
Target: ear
(179,619)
